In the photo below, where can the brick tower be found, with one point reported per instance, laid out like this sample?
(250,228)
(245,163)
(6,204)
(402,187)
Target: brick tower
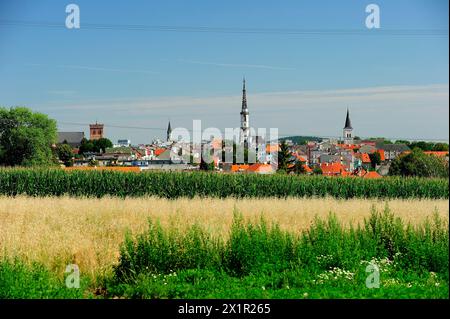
(95,131)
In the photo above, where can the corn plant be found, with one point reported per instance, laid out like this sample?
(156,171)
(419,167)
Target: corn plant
(57,182)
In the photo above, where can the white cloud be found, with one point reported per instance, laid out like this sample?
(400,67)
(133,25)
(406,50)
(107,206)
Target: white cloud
(415,111)
(358,97)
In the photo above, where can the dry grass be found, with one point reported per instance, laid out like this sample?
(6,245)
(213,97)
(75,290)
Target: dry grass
(88,232)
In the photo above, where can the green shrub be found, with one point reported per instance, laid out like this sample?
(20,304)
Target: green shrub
(259,248)
(158,251)
(262,261)
(252,248)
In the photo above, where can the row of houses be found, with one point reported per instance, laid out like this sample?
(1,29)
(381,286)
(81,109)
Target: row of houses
(328,157)
(353,159)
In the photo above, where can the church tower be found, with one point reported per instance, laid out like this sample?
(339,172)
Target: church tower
(348,130)
(245,126)
(169,131)
(95,131)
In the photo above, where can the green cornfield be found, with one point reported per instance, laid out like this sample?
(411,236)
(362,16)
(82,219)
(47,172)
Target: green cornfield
(57,182)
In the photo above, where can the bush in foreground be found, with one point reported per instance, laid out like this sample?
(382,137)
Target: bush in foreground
(258,261)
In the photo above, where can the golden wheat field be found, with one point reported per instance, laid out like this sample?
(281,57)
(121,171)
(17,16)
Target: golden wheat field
(88,232)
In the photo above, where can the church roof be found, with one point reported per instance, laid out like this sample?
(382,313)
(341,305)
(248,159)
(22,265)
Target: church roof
(348,123)
(244,98)
(394,147)
(372,174)
(72,138)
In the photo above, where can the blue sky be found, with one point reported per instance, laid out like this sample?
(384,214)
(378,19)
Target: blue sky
(395,86)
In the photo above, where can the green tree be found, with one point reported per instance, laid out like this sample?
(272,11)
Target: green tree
(298,168)
(317,170)
(375,159)
(26,137)
(93,162)
(417,163)
(402,142)
(64,152)
(424,146)
(101,144)
(204,166)
(86,146)
(284,157)
(440,147)
(95,146)
(207,160)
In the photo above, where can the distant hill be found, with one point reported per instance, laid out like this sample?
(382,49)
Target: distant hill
(300,140)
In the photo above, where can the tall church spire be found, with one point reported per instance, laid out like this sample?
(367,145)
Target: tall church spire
(169,131)
(244,96)
(348,130)
(245,127)
(348,123)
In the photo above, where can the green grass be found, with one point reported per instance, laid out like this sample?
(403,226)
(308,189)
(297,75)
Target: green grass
(289,284)
(258,261)
(56,182)
(261,261)
(21,281)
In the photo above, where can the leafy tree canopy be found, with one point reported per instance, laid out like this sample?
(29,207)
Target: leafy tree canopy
(301,140)
(417,163)
(26,137)
(95,146)
(64,152)
(102,144)
(317,170)
(425,146)
(298,168)
(284,157)
(375,159)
